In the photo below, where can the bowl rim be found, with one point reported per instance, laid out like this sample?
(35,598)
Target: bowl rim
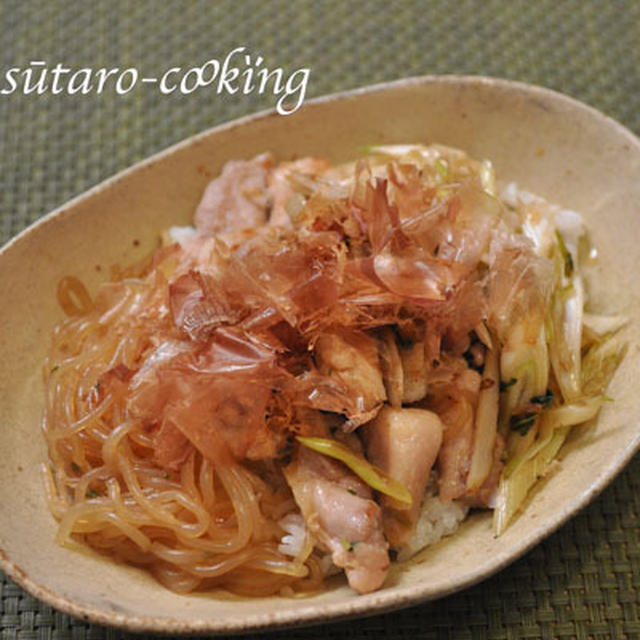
(380,601)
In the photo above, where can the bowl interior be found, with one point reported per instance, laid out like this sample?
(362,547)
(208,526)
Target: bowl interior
(550,145)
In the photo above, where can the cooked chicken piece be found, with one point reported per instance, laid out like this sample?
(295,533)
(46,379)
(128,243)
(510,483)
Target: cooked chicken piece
(351,357)
(405,443)
(455,454)
(236,198)
(457,410)
(391,364)
(339,512)
(414,374)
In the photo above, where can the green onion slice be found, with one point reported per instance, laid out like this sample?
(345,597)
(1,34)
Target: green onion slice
(375,477)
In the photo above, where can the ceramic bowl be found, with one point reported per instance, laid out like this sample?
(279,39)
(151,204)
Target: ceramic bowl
(550,144)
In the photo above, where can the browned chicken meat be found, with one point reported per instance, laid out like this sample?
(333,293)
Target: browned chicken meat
(405,443)
(341,514)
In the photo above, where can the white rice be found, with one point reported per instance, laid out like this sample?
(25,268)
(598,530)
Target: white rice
(182,235)
(436,520)
(293,541)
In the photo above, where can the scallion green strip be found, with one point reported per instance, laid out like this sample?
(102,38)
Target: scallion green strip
(375,477)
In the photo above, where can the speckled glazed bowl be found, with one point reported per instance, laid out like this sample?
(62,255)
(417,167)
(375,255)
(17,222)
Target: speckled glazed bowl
(550,144)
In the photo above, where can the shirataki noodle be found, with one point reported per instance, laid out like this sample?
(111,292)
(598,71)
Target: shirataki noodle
(201,528)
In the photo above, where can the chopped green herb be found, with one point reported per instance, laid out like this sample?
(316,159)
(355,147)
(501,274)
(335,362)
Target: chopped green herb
(568,265)
(92,493)
(442,169)
(54,369)
(544,400)
(352,491)
(509,383)
(348,545)
(566,255)
(523,423)
(375,477)
(75,468)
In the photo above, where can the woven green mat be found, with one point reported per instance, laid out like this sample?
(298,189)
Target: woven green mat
(584,581)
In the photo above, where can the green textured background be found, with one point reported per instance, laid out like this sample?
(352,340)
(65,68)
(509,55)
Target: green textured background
(584,581)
